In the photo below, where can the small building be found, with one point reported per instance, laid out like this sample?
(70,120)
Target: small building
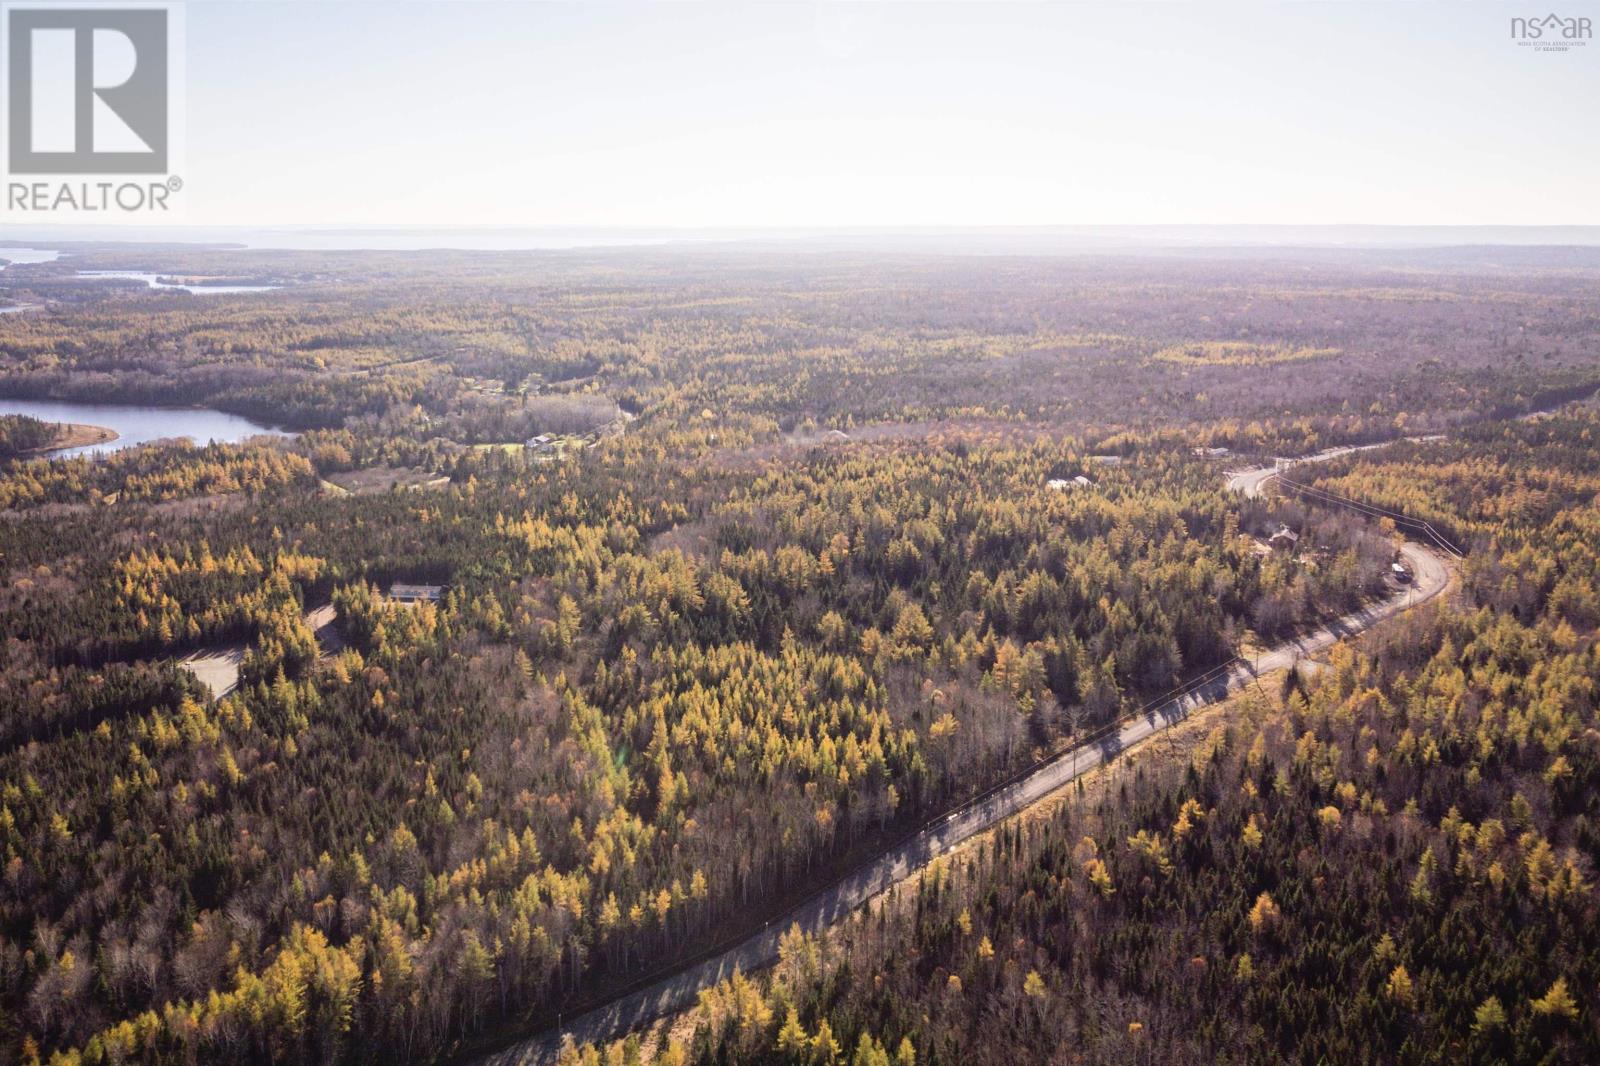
(1106,460)
(1210,453)
(1061,484)
(401,592)
(542,442)
(1284,539)
(1401,574)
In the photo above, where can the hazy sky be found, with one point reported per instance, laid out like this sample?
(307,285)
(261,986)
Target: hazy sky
(903,114)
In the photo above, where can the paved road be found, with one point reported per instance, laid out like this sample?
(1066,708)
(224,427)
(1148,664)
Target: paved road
(1251,482)
(681,990)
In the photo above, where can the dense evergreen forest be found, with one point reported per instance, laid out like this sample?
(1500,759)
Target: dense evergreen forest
(806,550)
(1391,862)
(20,435)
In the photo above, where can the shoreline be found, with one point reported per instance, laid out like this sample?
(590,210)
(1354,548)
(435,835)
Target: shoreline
(75,435)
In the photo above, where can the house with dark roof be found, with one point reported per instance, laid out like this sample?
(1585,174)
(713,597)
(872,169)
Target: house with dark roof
(402,592)
(1284,539)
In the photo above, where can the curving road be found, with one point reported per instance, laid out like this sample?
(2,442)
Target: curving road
(676,992)
(1251,482)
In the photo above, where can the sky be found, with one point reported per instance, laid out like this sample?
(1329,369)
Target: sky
(908,114)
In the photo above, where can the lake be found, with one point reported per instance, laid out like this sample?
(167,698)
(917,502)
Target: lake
(154,281)
(140,425)
(27,255)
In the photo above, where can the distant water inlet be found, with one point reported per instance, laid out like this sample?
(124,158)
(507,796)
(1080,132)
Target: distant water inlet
(140,425)
(8,256)
(27,255)
(165,281)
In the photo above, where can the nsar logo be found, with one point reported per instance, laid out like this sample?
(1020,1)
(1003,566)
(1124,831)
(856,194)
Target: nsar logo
(1552,33)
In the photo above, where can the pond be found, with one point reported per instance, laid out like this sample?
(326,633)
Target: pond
(139,425)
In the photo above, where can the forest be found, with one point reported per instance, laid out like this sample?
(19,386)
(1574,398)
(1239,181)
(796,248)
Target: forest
(1391,861)
(20,435)
(817,548)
